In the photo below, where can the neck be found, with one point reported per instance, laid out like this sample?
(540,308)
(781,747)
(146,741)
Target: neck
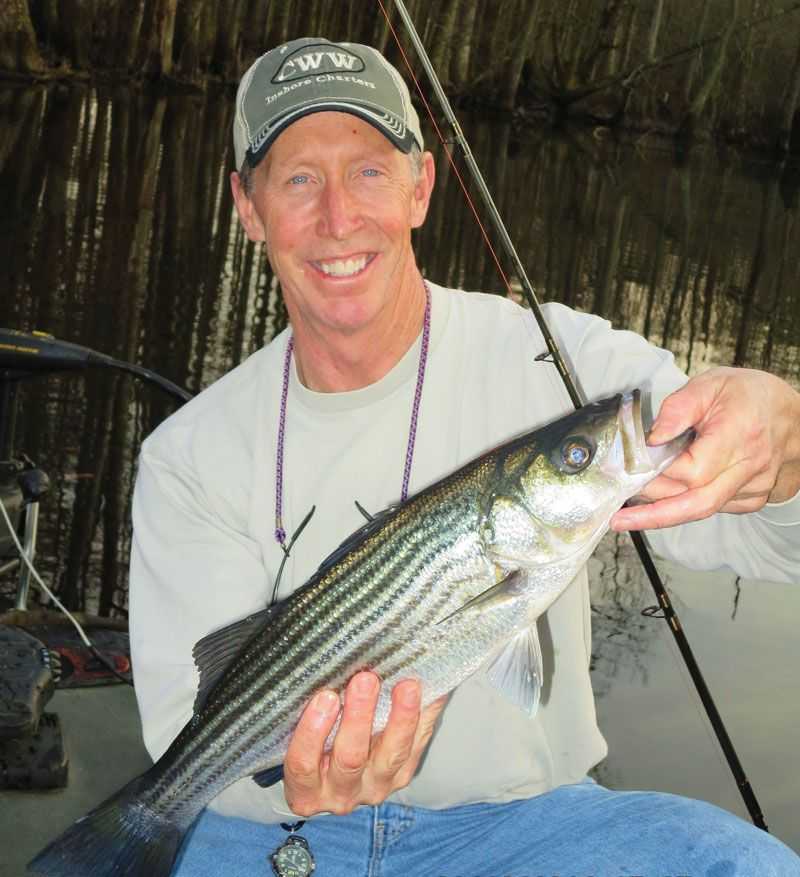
(334,361)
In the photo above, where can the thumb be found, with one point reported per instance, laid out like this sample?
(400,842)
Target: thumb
(679,411)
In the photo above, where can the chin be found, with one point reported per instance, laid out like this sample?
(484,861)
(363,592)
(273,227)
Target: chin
(351,314)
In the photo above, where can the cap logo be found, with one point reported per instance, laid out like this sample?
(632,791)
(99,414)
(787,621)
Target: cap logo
(309,60)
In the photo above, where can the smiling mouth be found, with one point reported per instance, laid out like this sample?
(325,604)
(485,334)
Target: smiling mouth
(349,267)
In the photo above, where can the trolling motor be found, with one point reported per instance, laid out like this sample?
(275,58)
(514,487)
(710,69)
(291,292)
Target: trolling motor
(32,754)
(24,354)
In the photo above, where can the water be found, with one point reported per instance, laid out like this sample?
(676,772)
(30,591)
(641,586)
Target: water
(743,635)
(118,233)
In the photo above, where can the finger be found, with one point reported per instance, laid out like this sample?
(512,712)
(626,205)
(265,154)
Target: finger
(745,506)
(425,728)
(427,720)
(301,766)
(756,473)
(351,746)
(660,488)
(693,505)
(745,501)
(394,746)
(704,459)
(682,409)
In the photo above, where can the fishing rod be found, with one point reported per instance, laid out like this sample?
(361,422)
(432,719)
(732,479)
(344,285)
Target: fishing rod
(554,354)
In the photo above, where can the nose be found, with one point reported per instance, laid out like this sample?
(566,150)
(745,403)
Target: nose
(340,211)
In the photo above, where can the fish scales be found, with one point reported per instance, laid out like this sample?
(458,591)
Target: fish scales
(312,636)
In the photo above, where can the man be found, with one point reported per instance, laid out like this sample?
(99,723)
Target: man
(383,383)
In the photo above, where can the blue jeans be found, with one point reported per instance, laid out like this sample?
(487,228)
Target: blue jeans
(581,830)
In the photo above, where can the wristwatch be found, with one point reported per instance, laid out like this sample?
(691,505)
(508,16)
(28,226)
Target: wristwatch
(293,858)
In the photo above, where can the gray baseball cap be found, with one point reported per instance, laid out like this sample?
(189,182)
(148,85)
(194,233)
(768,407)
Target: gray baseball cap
(310,75)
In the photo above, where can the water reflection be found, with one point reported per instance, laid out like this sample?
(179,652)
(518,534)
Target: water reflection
(658,734)
(120,235)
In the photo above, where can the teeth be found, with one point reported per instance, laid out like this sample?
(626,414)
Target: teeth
(344,267)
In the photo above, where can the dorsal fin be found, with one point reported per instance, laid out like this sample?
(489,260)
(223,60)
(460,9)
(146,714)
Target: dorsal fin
(214,653)
(372,526)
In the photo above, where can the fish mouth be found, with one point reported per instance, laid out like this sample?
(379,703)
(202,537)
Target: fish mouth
(636,421)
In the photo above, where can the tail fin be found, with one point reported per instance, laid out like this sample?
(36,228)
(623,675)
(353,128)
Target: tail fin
(121,838)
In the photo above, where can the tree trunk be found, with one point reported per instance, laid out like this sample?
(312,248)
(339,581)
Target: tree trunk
(161,29)
(524,50)
(766,228)
(694,64)
(18,49)
(461,62)
(135,29)
(790,100)
(630,39)
(129,313)
(282,22)
(713,78)
(618,32)
(604,303)
(189,54)
(655,27)
(441,47)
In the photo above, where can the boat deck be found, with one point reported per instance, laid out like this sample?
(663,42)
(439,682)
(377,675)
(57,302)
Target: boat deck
(103,740)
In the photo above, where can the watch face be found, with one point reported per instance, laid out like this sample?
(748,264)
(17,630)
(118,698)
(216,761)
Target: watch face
(293,858)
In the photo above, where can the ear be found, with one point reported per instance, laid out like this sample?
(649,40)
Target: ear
(423,189)
(248,215)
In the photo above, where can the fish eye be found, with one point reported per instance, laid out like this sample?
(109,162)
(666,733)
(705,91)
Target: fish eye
(576,453)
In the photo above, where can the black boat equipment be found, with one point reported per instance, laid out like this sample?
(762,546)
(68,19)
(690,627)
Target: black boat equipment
(22,485)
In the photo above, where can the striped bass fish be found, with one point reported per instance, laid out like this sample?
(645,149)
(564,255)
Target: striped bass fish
(448,582)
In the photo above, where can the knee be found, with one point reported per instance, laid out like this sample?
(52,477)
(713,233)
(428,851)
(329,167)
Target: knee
(718,844)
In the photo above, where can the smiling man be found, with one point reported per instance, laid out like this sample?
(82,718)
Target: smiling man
(382,383)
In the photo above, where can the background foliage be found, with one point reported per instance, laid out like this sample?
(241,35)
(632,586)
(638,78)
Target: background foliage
(729,67)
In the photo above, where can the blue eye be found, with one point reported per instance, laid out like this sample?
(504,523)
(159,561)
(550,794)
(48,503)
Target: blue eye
(576,454)
(370,172)
(298,179)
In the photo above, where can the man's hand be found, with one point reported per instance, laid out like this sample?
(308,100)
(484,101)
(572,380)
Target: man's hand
(360,768)
(747,450)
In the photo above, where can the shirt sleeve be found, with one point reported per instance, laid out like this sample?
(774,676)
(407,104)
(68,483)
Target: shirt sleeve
(765,544)
(188,568)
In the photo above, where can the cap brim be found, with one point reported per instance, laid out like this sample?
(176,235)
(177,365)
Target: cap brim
(404,142)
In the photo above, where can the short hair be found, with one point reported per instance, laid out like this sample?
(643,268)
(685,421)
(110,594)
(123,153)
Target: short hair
(246,178)
(415,157)
(246,172)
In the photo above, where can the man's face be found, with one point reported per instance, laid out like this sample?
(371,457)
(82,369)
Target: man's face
(335,203)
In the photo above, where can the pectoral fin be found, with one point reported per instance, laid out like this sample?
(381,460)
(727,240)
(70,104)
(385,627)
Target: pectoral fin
(506,589)
(516,671)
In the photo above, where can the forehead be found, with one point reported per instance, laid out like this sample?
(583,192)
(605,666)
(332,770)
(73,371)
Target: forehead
(328,134)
